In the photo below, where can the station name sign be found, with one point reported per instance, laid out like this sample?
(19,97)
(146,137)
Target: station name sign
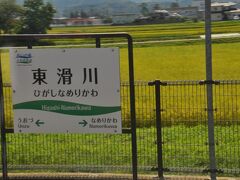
(66,90)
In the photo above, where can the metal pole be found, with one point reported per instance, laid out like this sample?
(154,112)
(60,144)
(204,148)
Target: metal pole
(211,136)
(98,42)
(29,44)
(3,130)
(159,128)
(133,110)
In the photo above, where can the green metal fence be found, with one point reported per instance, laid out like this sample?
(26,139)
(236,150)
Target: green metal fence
(184,135)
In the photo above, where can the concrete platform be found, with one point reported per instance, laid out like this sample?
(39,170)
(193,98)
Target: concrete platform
(102,176)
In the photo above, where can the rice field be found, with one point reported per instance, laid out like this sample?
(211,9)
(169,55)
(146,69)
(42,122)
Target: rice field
(183,62)
(184,116)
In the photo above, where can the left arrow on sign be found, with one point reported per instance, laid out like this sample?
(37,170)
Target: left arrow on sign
(38,123)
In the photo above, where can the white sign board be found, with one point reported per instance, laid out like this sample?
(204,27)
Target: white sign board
(66,90)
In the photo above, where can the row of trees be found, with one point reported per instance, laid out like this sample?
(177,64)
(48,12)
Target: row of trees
(34,17)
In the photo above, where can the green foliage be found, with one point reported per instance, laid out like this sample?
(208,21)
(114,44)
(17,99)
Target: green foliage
(183,147)
(36,18)
(185,131)
(9,11)
(164,60)
(144,9)
(170,62)
(99,8)
(183,62)
(186,30)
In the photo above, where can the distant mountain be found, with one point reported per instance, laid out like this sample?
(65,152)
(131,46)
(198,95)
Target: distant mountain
(155,1)
(60,5)
(112,5)
(104,7)
(162,1)
(107,6)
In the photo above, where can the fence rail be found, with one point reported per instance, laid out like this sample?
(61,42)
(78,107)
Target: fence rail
(184,134)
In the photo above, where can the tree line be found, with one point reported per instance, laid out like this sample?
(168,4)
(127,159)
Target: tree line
(33,17)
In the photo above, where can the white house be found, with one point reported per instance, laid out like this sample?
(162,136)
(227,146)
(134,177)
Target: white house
(201,3)
(221,7)
(160,14)
(234,14)
(189,12)
(219,11)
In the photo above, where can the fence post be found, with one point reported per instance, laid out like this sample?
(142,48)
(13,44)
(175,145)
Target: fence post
(133,109)
(157,85)
(209,83)
(3,130)
(98,42)
(29,44)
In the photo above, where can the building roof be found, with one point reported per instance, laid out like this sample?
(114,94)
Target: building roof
(182,8)
(59,18)
(160,11)
(235,11)
(223,4)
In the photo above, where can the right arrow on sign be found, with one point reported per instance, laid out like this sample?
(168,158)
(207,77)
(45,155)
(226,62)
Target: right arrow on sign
(83,123)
